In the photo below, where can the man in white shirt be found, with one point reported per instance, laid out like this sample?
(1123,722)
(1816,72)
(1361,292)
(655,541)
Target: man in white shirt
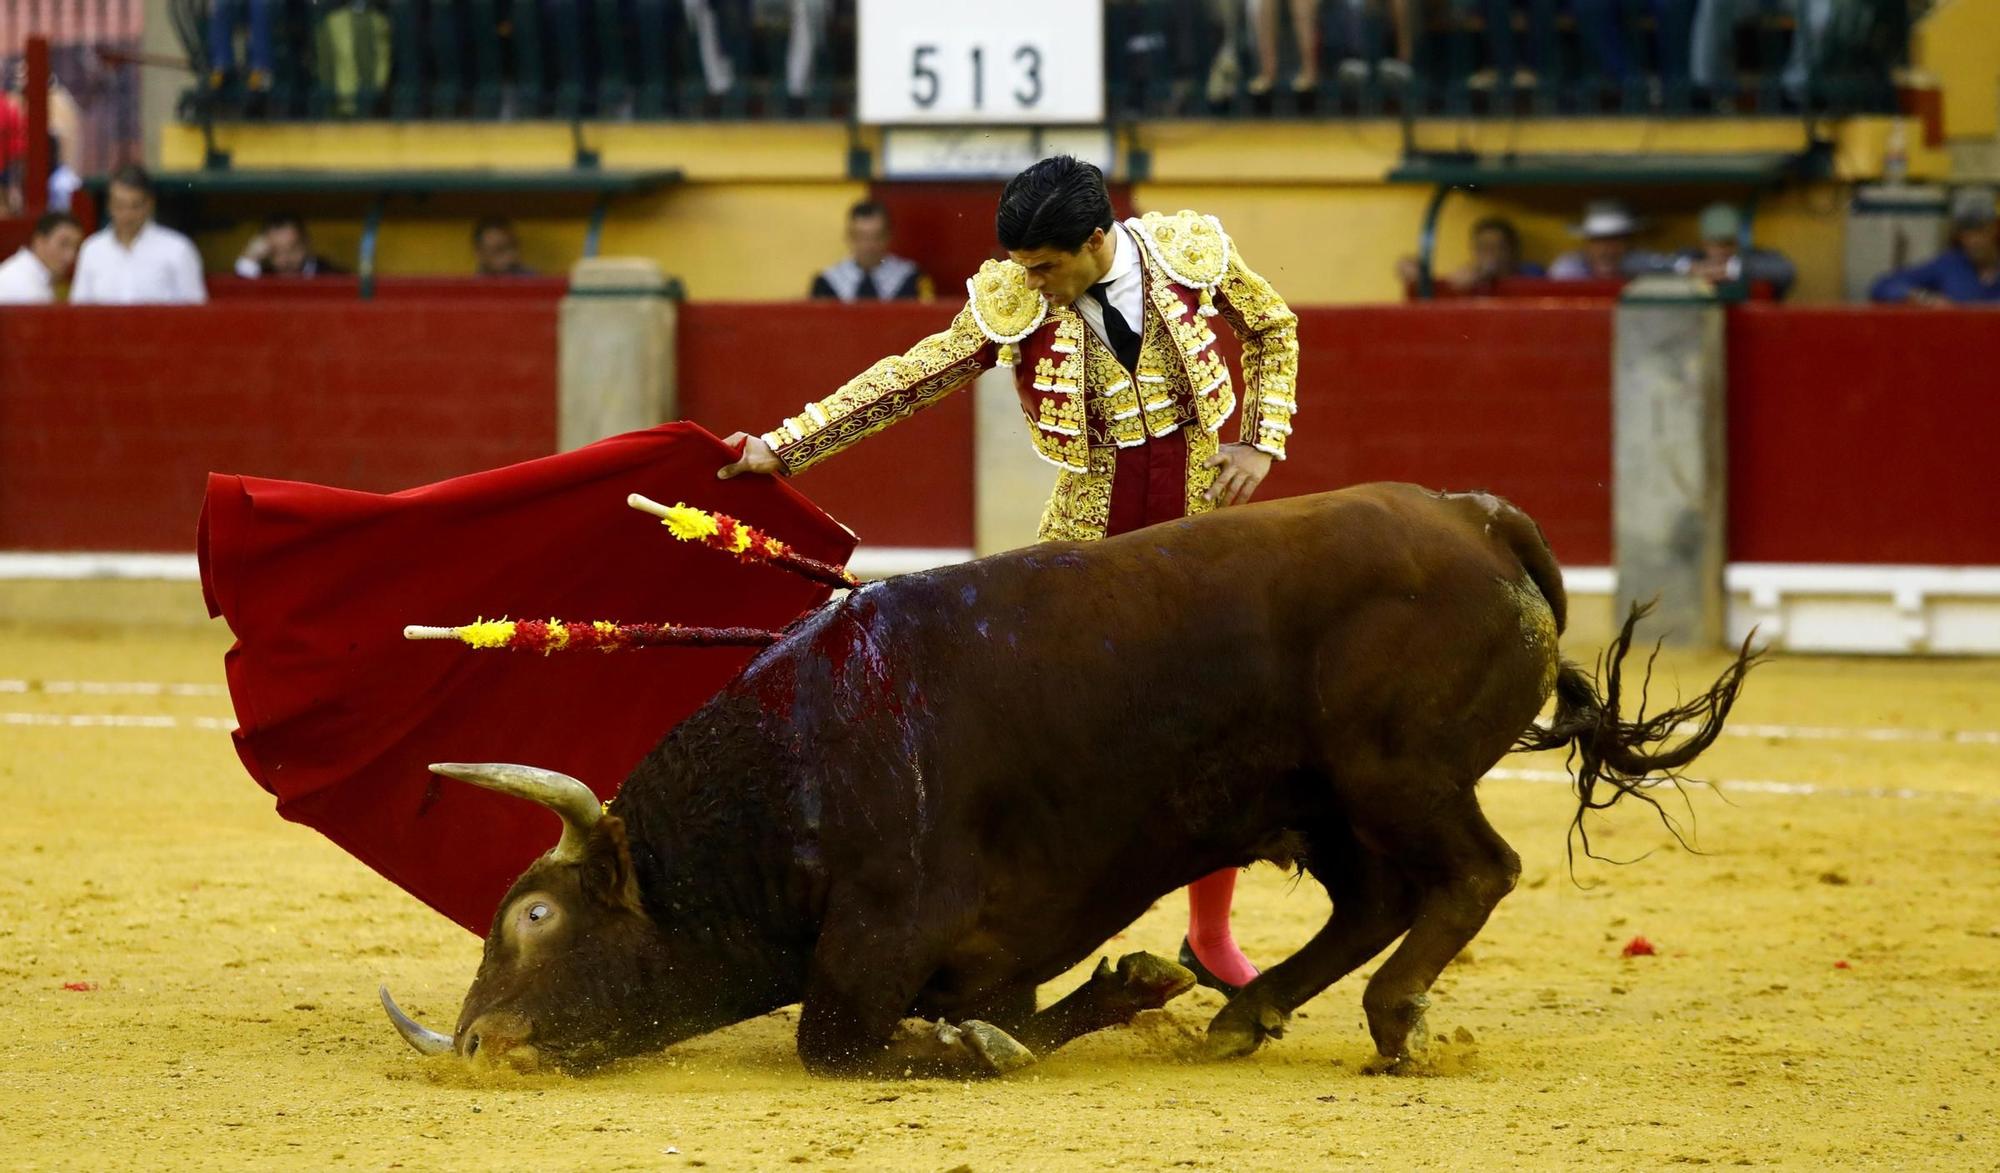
(29,276)
(134,260)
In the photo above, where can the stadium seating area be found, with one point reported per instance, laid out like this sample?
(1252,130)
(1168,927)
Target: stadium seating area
(730,59)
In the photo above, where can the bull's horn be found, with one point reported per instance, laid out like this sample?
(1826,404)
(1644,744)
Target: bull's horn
(414,1033)
(561,793)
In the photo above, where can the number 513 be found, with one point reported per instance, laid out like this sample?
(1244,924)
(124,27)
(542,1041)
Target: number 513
(926,84)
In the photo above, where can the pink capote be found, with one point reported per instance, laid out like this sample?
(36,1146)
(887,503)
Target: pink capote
(339,715)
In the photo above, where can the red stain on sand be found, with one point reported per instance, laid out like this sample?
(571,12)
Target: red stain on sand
(1842,965)
(1637,947)
(80,987)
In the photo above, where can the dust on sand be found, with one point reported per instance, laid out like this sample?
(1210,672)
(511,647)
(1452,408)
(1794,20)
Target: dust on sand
(227,961)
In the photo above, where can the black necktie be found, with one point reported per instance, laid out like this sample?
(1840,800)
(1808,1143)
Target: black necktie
(1124,340)
(866,291)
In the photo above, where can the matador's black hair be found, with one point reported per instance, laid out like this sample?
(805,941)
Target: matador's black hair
(1057,203)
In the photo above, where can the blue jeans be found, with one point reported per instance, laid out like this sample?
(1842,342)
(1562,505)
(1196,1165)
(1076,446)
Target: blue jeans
(1598,21)
(223,17)
(1601,29)
(1715,39)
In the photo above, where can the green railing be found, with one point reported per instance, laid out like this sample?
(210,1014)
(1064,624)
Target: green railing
(640,59)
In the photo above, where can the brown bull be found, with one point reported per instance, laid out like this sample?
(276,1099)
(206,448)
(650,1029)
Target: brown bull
(948,788)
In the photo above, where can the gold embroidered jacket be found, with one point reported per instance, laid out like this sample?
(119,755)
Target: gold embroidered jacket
(1081,404)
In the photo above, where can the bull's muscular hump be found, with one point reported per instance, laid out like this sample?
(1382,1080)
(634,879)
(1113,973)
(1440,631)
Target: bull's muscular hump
(947,788)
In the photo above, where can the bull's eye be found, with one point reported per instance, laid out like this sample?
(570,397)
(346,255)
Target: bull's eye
(538,912)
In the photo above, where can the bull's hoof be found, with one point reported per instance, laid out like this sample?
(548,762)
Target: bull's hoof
(1148,981)
(1242,1026)
(996,1049)
(1398,1027)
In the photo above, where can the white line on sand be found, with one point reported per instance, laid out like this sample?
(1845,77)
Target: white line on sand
(115,721)
(1498,774)
(111,688)
(1760,786)
(1735,729)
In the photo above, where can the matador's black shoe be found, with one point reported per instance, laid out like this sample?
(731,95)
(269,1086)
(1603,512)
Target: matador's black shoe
(1202,976)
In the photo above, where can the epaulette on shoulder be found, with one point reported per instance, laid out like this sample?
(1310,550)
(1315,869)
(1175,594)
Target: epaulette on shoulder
(1191,248)
(1005,308)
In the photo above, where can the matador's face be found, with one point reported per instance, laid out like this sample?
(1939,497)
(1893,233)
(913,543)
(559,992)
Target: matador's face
(1062,277)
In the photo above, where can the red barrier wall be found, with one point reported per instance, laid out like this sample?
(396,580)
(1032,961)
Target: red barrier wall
(1512,399)
(1864,435)
(745,367)
(1856,435)
(110,418)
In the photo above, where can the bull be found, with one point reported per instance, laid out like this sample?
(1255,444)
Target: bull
(939,792)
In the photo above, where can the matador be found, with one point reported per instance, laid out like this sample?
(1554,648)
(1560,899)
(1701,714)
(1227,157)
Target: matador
(1106,325)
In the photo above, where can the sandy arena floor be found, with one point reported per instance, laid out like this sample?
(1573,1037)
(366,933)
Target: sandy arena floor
(187,980)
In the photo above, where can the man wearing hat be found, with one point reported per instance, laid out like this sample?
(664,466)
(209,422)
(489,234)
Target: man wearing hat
(1966,272)
(1722,259)
(1607,230)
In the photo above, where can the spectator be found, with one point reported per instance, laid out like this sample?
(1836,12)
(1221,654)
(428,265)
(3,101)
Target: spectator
(870,272)
(29,276)
(1722,259)
(1608,231)
(497,250)
(63,179)
(133,260)
(223,18)
(1226,65)
(1714,41)
(1505,64)
(13,150)
(283,248)
(1305,26)
(1496,254)
(1602,24)
(1968,271)
(721,29)
(718,71)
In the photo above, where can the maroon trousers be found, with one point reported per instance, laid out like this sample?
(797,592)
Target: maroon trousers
(1149,485)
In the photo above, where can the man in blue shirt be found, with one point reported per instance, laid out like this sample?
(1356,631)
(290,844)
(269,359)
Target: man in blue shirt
(1968,271)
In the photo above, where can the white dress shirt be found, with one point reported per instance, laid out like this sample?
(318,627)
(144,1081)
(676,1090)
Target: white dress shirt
(1126,289)
(25,280)
(160,267)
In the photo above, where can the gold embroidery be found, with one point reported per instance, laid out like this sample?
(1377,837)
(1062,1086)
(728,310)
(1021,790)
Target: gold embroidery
(893,389)
(1079,507)
(1201,444)
(1058,428)
(1003,306)
(1190,247)
(1269,331)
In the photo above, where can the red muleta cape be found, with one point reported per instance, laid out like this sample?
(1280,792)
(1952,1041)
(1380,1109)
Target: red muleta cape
(339,716)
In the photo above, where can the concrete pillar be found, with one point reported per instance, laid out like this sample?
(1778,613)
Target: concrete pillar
(1010,484)
(1669,461)
(615,368)
(1890,226)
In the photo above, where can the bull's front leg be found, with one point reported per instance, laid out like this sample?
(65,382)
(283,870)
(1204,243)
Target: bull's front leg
(860,987)
(1112,997)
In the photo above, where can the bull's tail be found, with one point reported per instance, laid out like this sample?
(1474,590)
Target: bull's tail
(1607,750)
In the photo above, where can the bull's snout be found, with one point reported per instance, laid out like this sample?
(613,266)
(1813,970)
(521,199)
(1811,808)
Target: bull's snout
(497,1038)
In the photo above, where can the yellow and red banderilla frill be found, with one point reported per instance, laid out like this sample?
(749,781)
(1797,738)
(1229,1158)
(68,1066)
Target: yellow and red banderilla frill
(554,635)
(719,531)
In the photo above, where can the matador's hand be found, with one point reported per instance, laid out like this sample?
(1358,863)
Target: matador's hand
(757,457)
(1240,468)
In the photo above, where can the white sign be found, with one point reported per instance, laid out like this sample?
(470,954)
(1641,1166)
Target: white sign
(973,62)
(990,152)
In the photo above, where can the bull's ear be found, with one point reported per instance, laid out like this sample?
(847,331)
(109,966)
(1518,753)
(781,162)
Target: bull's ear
(608,876)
